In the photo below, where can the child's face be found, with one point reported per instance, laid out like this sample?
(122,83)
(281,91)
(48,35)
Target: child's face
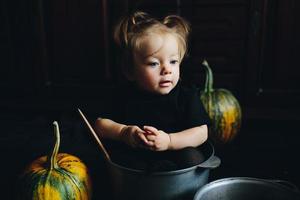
(157,64)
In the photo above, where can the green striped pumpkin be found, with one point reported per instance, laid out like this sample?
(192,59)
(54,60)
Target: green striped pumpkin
(60,176)
(223,109)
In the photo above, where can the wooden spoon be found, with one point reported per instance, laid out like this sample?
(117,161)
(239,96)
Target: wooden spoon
(95,136)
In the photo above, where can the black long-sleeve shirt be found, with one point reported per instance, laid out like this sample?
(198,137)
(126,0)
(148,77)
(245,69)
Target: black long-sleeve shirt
(180,109)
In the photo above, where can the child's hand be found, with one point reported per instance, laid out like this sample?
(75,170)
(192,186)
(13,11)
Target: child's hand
(157,140)
(134,136)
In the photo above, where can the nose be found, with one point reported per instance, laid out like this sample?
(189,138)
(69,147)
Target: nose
(166,69)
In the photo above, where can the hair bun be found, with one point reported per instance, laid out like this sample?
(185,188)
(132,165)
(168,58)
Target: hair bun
(139,17)
(178,23)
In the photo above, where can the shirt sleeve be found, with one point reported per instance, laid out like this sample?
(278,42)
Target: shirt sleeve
(194,111)
(107,106)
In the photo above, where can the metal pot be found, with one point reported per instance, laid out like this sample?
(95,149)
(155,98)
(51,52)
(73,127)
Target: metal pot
(179,184)
(247,188)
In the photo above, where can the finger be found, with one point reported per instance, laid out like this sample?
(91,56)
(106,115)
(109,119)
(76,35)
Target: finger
(149,145)
(148,132)
(151,137)
(143,138)
(151,129)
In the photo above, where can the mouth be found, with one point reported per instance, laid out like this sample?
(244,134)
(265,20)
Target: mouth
(165,83)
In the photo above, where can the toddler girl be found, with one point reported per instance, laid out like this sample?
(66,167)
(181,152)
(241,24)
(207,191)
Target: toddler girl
(160,121)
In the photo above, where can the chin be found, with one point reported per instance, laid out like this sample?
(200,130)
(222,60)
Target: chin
(164,91)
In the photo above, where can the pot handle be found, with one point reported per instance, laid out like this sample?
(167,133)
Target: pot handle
(211,163)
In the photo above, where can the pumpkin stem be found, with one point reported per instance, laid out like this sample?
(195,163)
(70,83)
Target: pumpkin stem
(209,77)
(53,159)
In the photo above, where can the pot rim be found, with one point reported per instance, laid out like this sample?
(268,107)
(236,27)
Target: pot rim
(160,173)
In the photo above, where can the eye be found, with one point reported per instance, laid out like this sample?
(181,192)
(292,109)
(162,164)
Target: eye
(153,64)
(173,62)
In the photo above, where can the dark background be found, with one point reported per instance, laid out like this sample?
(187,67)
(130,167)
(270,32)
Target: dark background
(58,55)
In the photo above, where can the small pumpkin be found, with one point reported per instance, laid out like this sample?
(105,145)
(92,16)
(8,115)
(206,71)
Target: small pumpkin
(59,176)
(223,109)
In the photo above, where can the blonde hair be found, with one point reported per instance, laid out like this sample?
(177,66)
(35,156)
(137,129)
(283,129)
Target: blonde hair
(131,29)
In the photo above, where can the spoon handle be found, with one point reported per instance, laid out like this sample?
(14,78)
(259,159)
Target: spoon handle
(95,136)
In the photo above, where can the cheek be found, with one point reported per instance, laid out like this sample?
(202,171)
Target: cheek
(150,76)
(176,72)
(147,77)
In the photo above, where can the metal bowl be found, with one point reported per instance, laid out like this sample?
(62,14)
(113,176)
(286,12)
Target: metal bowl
(247,188)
